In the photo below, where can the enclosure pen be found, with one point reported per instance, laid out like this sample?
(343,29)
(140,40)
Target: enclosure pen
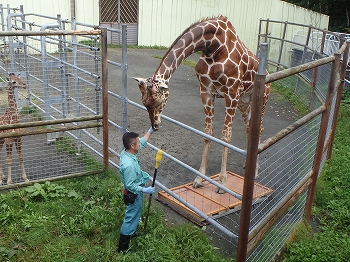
(73,114)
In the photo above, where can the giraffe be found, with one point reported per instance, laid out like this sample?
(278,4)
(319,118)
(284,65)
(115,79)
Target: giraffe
(11,116)
(225,70)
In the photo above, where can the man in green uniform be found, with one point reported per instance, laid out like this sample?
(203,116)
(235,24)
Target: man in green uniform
(134,180)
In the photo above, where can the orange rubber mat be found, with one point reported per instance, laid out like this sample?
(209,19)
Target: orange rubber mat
(207,200)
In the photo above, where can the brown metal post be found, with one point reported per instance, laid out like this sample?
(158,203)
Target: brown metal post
(252,155)
(104,95)
(322,135)
(339,97)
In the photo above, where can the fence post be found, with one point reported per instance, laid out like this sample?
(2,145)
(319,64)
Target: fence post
(252,154)
(104,95)
(339,97)
(322,135)
(124,79)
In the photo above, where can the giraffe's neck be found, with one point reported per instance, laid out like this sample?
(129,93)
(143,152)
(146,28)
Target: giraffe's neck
(12,105)
(203,36)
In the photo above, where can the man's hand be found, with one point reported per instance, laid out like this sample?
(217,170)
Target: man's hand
(149,190)
(151,130)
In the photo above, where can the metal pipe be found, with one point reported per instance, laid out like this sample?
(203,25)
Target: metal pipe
(104,96)
(322,134)
(252,154)
(236,195)
(124,80)
(199,212)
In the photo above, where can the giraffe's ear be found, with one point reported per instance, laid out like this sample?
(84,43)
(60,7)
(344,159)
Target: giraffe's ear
(141,81)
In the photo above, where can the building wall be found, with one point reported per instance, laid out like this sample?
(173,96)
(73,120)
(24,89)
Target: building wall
(86,11)
(161,21)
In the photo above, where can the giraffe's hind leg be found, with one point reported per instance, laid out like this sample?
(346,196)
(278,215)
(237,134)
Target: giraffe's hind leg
(208,104)
(18,142)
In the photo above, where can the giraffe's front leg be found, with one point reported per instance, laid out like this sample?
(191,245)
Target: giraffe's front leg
(223,175)
(20,156)
(208,104)
(198,182)
(1,175)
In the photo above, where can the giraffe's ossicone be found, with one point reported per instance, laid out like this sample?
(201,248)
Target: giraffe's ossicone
(226,69)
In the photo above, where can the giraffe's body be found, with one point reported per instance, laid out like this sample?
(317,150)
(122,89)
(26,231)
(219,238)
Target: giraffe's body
(11,116)
(225,69)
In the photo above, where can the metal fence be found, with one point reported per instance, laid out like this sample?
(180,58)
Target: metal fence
(61,120)
(64,72)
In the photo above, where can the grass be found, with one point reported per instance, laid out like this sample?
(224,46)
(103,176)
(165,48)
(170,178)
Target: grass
(79,220)
(331,205)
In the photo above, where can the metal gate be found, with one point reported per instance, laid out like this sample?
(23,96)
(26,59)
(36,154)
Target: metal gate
(58,117)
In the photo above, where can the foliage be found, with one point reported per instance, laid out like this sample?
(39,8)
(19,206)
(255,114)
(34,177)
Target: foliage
(79,220)
(68,145)
(283,89)
(31,110)
(331,204)
(337,10)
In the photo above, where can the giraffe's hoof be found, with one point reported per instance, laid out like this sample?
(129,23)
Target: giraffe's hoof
(9,182)
(26,180)
(197,185)
(219,191)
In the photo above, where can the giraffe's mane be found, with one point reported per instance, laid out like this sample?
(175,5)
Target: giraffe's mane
(185,31)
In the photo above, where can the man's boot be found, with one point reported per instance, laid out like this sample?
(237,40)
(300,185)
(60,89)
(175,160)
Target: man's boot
(123,243)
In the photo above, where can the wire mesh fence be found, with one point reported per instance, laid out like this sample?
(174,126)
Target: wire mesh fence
(60,109)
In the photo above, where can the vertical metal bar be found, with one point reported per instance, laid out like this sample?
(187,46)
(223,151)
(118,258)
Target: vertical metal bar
(104,95)
(252,154)
(25,54)
(45,75)
(281,46)
(339,97)
(97,87)
(2,18)
(322,135)
(259,36)
(119,21)
(63,69)
(124,80)
(266,30)
(303,57)
(77,95)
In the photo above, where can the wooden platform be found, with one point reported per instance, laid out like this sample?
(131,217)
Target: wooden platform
(207,200)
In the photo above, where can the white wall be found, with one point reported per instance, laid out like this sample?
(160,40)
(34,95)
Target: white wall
(87,11)
(161,21)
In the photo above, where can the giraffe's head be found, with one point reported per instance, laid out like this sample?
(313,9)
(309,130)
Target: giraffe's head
(154,95)
(14,81)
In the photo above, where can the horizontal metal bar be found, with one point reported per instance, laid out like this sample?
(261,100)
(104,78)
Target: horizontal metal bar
(199,212)
(51,122)
(216,140)
(289,129)
(236,195)
(50,32)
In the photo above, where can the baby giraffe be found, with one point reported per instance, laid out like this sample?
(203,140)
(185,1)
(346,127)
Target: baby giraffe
(11,116)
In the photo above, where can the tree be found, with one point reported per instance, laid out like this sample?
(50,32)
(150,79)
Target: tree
(337,10)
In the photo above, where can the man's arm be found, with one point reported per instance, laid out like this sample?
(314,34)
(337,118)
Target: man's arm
(148,134)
